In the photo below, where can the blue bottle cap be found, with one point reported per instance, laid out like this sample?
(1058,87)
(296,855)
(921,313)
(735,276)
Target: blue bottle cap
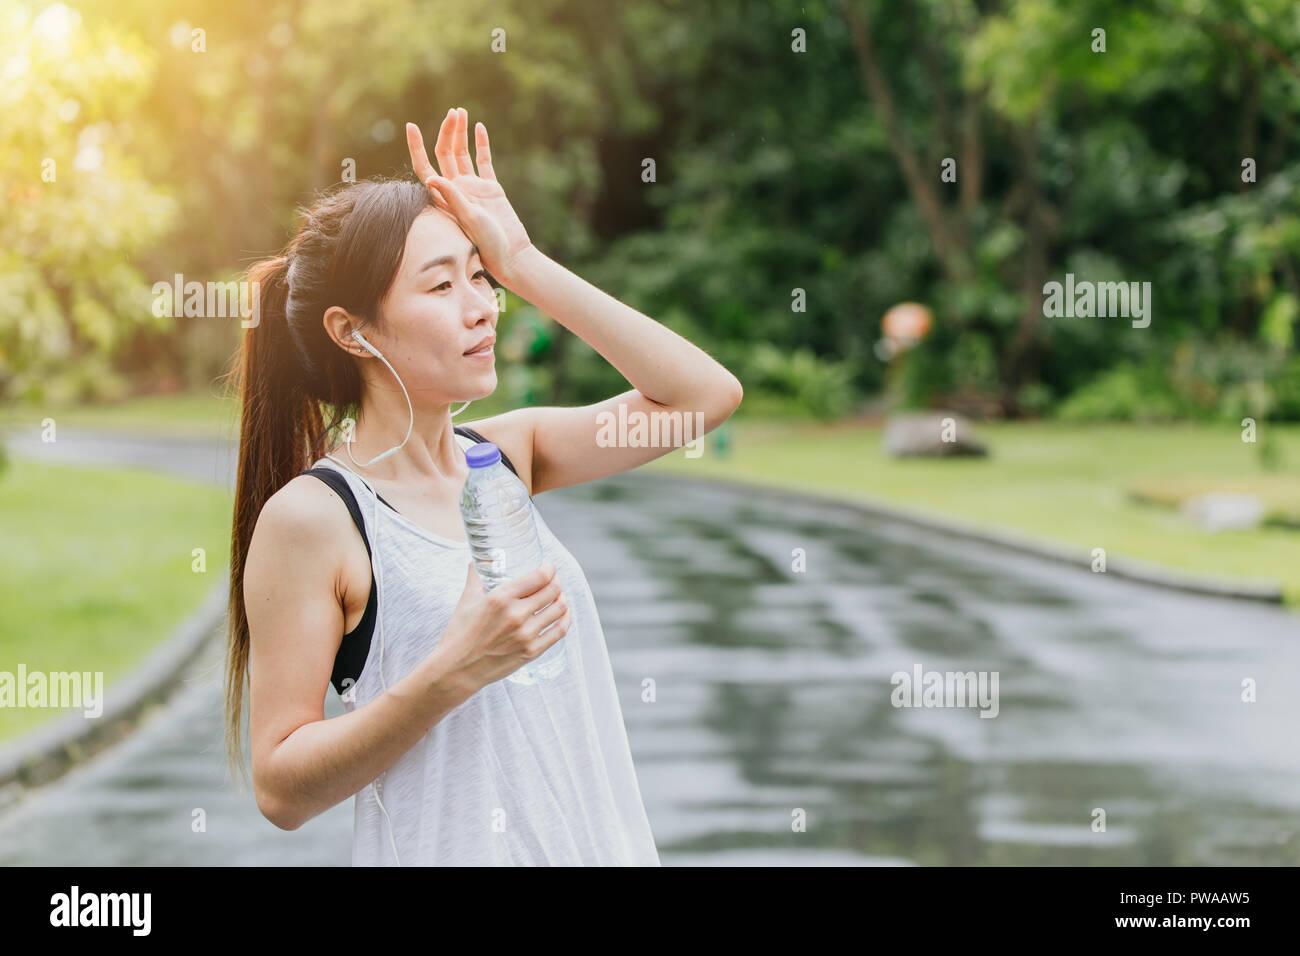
(483,455)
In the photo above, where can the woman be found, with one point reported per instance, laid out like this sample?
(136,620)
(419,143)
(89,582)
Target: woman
(381,310)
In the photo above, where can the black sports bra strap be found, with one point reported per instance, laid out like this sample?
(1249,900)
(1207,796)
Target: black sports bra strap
(355,646)
(344,491)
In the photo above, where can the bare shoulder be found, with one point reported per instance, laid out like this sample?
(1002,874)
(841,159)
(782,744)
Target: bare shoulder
(512,432)
(303,525)
(302,511)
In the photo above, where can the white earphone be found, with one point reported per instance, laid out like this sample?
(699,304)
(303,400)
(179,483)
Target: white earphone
(361,340)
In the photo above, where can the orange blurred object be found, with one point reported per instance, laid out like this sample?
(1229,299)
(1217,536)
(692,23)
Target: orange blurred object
(907,322)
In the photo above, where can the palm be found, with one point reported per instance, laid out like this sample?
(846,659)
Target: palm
(497,214)
(476,200)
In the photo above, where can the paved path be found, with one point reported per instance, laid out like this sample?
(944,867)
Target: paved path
(774,697)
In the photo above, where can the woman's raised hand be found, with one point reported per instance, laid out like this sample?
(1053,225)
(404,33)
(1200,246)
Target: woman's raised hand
(475,200)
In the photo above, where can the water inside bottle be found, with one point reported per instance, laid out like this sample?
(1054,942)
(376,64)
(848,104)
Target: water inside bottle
(504,541)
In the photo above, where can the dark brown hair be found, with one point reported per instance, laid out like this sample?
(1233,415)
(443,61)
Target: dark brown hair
(291,376)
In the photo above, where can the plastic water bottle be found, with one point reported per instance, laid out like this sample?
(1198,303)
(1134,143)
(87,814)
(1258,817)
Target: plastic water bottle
(503,539)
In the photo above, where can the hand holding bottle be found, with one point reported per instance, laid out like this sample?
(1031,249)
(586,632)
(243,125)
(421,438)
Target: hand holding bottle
(493,633)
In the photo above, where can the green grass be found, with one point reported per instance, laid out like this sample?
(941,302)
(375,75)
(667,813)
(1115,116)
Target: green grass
(1279,494)
(95,568)
(1064,484)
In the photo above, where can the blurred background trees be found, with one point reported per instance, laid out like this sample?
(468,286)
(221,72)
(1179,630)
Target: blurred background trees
(796,191)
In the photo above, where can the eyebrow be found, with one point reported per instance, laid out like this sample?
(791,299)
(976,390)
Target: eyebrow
(446,260)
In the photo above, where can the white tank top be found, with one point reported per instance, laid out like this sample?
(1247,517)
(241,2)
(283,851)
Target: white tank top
(532,775)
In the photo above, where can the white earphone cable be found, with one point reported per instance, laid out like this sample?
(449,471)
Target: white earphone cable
(356,334)
(379,586)
(374,525)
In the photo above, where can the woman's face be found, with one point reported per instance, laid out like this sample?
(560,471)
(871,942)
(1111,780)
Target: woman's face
(440,306)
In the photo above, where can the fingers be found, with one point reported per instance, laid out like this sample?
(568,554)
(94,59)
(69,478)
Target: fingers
(483,153)
(545,618)
(441,204)
(547,597)
(452,199)
(461,150)
(443,148)
(530,583)
(421,165)
(550,635)
(452,148)
(419,158)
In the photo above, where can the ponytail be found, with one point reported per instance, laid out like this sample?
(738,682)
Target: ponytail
(289,373)
(281,431)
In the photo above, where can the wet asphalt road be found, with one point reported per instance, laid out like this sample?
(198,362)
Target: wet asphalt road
(774,701)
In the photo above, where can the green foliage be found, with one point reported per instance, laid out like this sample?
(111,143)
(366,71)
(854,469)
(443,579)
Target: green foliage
(950,369)
(1128,392)
(779,178)
(1224,380)
(91,379)
(1286,391)
(78,210)
(820,388)
(1035,399)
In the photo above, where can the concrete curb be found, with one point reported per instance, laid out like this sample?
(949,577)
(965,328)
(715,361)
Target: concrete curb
(51,750)
(1132,569)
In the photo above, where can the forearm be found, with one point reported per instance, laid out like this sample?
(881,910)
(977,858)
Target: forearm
(324,762)
(656,361)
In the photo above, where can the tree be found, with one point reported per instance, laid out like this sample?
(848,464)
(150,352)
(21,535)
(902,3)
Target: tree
(77,209)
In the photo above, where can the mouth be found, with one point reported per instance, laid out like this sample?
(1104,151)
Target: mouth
(483,349)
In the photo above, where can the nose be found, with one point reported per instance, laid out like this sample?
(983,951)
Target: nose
(479,305)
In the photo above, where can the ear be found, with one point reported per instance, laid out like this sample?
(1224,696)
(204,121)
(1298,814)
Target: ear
(339,326)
